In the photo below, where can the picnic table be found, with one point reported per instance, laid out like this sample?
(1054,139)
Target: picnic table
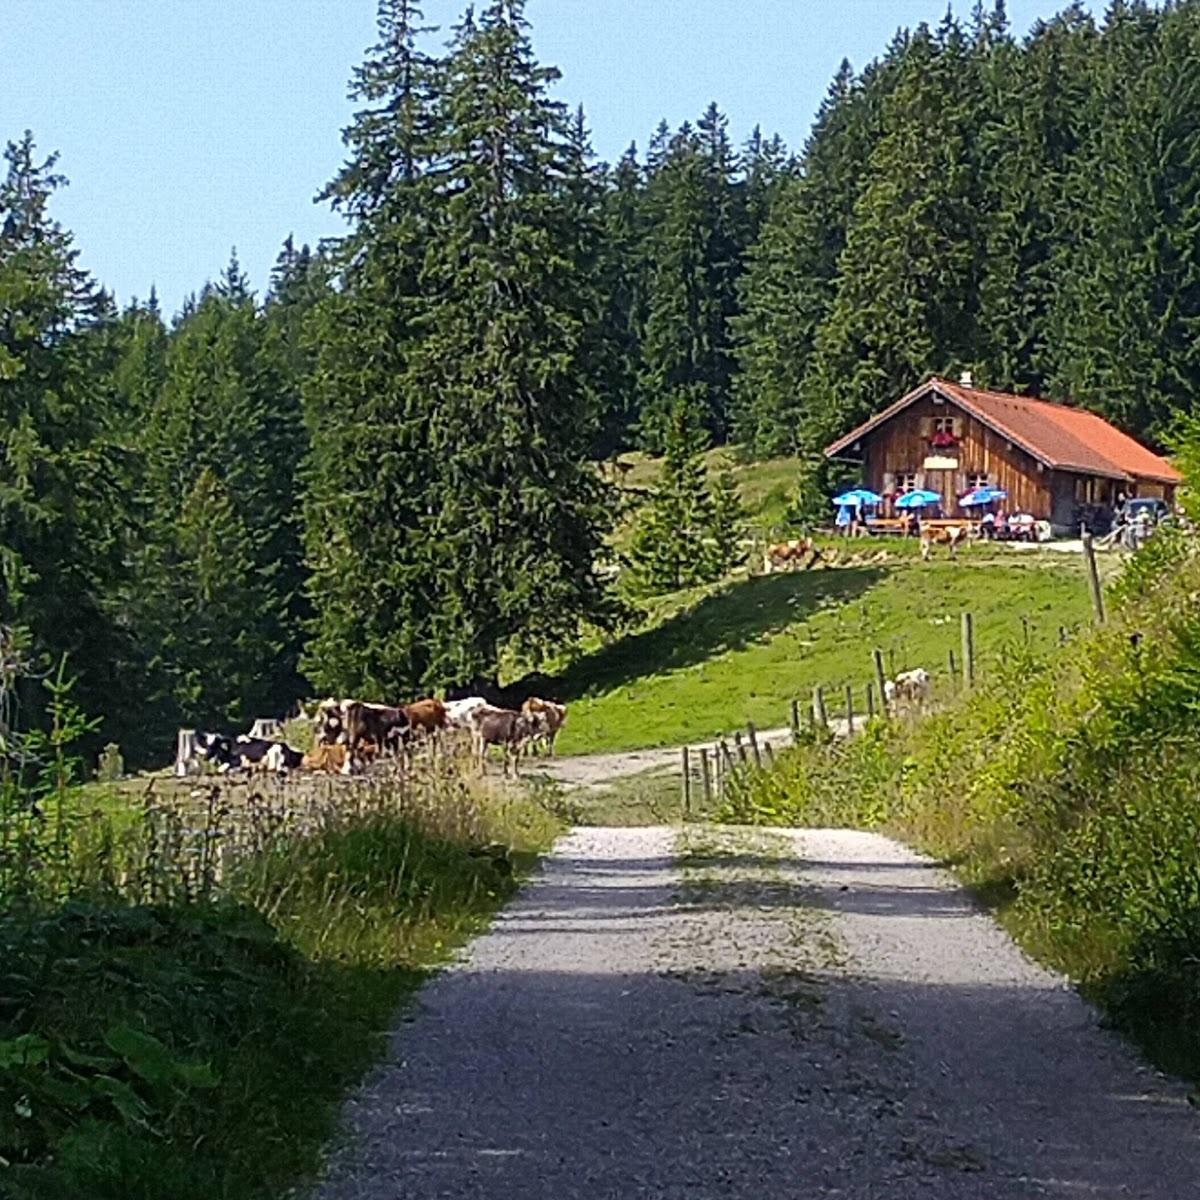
(888,525)
(970,525)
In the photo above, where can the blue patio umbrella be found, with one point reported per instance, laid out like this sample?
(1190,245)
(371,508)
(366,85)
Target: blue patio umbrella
(983,495)
(857,497)
(918,499)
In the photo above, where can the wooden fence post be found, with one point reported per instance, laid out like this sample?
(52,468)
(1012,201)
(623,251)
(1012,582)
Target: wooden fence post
(880,680)
(849,710)
(706,782)
(185,748)
(953,666)
(728,759)
(1093,574)
(870,702)
(742,753)
(820,715)
(968,649)
(769,755)
(795,720)
(752,734)
(687,786)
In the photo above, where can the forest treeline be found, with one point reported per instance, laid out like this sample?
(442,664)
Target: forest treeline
(380,476)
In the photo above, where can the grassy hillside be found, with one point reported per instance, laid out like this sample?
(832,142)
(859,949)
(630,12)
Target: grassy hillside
(704,662)
(1064,788)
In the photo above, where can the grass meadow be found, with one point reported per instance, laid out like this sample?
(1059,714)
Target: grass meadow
(707,661)
(191,979)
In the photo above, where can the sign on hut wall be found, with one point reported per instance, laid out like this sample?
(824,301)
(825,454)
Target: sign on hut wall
(936,462)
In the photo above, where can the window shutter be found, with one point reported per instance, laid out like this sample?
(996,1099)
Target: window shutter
(958,427)
(927,427)
(889,481)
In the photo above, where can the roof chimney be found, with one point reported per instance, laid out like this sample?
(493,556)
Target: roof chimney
(966,380)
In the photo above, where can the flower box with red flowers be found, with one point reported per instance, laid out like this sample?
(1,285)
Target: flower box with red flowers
(943,439)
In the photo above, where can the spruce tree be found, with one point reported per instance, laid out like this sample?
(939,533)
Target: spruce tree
(61,505)
(790,281)
(672,542)
(370,478)
(623,285)
(474,517)
(907,296)
(692,256)
(1030,122)
(223,444)
(729,518)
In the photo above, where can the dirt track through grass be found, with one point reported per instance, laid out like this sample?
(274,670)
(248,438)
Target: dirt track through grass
(756,1013)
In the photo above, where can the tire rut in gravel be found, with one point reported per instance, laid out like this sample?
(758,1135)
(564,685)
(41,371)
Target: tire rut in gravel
(765,1014)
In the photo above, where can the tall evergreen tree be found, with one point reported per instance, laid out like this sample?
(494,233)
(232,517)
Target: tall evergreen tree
(371,479)
(1030,121)
(907,296)
(221,444)
(60,504)
(1128,306)
(692,262)
(789,283)
(493,514)
(623,288)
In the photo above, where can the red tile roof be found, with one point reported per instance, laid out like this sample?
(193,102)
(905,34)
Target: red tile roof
(1070,439)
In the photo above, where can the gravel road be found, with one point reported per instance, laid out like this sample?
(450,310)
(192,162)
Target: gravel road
(776,1014)
(601,770)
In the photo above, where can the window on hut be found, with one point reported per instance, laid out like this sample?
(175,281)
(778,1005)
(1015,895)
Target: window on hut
(906,481)
(976,479)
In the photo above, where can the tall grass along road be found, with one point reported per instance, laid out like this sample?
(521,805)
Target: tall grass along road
(768,1013)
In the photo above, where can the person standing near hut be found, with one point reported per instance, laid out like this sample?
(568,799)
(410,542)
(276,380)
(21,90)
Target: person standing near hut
(843,520)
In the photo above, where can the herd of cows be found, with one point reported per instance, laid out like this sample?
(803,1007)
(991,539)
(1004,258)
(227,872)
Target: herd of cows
(350,735)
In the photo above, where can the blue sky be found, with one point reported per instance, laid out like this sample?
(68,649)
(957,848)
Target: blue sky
(187,127)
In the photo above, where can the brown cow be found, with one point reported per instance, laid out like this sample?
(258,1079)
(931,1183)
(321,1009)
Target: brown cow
(942,535)
(325,756)
(547,719)
(426,717)
(790,555)
(371,729)
(502,727)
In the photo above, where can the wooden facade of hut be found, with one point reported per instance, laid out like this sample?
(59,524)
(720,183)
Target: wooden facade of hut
(1055,462)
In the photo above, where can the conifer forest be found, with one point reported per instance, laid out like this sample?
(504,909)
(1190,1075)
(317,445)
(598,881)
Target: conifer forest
(381,475)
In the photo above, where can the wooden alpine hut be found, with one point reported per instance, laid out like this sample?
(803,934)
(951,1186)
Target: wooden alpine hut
(1057,463)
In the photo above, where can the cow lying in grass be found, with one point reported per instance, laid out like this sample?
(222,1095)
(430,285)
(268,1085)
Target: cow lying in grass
(781,556)
(229,753)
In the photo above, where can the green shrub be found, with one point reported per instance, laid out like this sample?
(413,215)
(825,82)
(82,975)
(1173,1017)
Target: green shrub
(199,1047)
